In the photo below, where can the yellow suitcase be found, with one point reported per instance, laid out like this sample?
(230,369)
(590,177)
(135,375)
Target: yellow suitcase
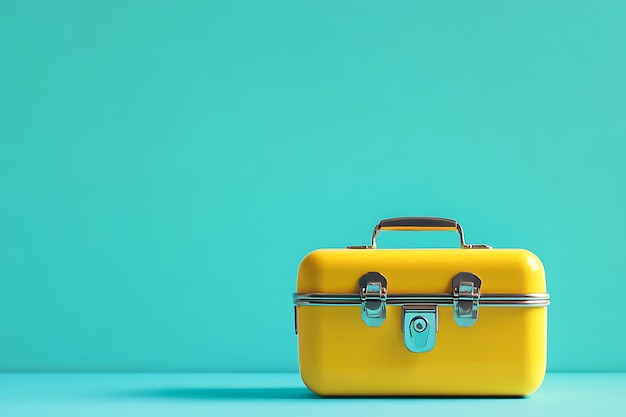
(470,321)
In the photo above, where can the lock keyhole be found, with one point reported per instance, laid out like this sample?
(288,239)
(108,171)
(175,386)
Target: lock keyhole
(420,324)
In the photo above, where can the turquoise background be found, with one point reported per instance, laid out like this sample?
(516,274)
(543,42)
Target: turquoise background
(164,166)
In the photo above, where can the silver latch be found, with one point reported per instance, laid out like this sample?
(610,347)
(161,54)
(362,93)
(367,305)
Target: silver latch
(373,289)
(466,292)
(419,324)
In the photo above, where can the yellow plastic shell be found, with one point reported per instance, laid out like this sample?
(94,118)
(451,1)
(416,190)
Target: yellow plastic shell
(502,354)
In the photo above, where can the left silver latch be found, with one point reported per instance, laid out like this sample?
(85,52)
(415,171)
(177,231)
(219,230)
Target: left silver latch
(373,289)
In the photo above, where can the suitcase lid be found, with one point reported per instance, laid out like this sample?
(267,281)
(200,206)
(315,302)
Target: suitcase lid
(464,278)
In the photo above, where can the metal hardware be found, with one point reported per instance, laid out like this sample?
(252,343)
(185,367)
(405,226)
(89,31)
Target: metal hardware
(465,293)
(417,224)
(420,327)
(486,300)
(419,324)
(373,295)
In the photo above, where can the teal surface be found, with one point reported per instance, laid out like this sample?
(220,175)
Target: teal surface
(164,166)
(121,395)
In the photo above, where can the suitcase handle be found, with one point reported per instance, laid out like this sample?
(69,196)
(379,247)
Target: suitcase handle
(421,224)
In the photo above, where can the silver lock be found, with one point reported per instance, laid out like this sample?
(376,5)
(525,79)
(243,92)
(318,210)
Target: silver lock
(419,324)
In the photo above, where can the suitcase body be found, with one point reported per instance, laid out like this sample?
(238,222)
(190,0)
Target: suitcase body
(421,322)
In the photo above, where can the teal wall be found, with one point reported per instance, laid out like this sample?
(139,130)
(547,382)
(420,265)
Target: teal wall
(164,166)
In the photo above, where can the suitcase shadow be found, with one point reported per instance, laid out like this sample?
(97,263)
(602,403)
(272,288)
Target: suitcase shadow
(226,394)
(292,393)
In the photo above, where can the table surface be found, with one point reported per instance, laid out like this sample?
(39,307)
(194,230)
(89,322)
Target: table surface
(157,394)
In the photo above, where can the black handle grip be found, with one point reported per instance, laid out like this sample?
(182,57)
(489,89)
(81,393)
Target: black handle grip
(417,222)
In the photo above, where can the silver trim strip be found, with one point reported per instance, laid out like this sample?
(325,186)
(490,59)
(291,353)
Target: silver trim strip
(486,300)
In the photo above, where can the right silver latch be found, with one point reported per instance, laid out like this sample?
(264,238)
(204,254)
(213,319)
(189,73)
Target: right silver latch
(466,293)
